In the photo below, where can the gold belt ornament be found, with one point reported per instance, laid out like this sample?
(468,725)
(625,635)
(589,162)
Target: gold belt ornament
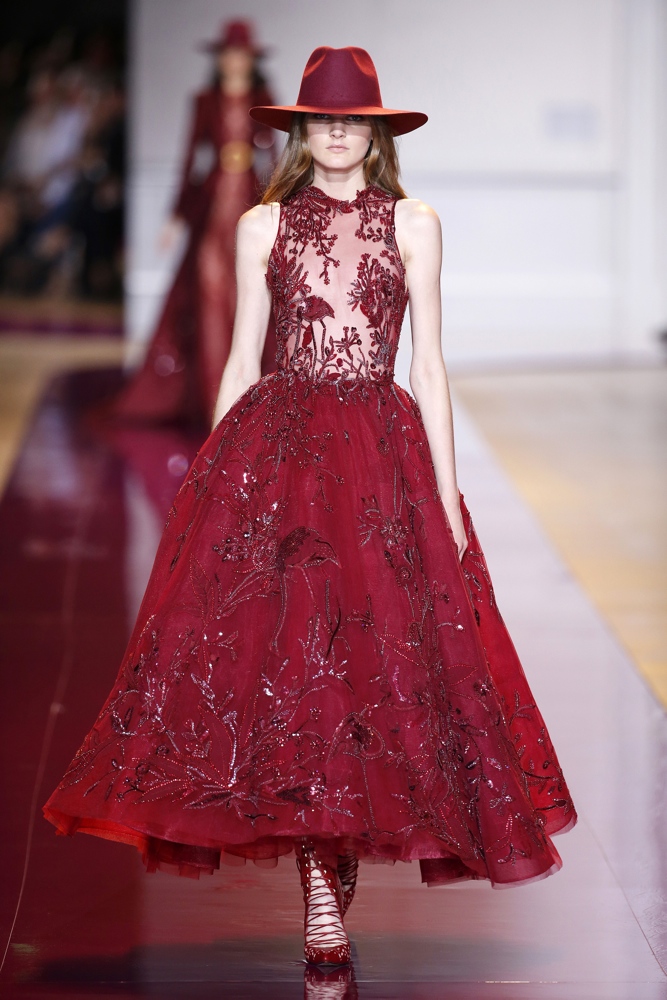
(236,157)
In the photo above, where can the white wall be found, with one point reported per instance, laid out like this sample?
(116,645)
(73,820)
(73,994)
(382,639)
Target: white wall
(543,153)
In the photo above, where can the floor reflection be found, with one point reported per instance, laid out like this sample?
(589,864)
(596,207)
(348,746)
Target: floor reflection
(332,984)
(222,964)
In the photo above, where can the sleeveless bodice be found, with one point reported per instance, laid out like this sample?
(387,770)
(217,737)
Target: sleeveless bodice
(338,285)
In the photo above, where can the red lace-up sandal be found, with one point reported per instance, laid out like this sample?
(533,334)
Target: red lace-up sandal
(347,868)
(326,942)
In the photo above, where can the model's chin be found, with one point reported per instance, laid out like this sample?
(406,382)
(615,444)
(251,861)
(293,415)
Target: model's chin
(339,161)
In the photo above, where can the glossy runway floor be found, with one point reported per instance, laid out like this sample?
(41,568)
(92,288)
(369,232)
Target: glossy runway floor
(588,450)
(78,525)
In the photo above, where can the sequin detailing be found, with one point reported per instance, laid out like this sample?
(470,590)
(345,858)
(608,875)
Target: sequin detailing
(311,660)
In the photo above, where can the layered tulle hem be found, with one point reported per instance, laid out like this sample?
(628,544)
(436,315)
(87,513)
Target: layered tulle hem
(438,866)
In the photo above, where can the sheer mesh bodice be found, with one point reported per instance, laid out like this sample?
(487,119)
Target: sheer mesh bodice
(338,285)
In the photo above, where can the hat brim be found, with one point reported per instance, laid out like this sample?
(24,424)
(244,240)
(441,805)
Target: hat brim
(213,47)
(280,116)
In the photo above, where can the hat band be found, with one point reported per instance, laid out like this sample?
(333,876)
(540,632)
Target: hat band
(320,108)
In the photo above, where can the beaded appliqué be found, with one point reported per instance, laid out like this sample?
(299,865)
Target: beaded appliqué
(311,658)
(338,311)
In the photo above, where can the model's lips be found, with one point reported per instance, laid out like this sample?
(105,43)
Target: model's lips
(337,146)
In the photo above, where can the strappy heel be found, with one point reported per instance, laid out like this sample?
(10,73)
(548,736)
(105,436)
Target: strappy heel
(326,942)
(347,868)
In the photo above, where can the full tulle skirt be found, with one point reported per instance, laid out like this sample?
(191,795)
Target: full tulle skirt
(312,662)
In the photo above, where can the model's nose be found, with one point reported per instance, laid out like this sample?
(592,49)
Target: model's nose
(337,129)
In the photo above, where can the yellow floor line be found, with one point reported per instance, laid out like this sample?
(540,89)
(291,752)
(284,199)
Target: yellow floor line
(27,364)
(587,451)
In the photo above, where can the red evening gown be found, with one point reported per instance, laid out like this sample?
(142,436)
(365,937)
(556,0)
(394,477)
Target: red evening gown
(180,376)
(311,660)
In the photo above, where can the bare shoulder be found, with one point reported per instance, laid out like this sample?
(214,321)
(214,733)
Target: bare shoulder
(257,228)
(261,219)
(417,230)
(413,215)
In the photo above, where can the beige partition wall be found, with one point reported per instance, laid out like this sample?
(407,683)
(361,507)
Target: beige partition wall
(544,154)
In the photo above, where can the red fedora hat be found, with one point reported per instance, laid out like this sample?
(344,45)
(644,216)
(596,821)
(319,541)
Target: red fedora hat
(337,81)
(234,34)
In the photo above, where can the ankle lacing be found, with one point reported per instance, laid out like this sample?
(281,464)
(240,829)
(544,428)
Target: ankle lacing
(325,939)
(347,868)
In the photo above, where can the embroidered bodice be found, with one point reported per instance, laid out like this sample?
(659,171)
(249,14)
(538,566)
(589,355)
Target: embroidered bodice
(338,285)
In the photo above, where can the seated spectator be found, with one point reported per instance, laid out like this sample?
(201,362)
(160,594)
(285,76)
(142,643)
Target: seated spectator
(61,188)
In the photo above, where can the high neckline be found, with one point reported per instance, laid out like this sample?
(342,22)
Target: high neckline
(360,195)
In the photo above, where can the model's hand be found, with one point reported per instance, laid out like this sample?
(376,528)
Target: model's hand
(456,524)
(170,234)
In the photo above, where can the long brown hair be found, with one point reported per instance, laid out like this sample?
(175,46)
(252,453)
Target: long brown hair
(295,167)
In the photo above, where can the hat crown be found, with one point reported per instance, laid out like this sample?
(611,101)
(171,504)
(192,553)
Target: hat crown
(236,34)
(339,81)
(340,78)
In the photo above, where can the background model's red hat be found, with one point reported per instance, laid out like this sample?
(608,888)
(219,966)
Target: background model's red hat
(234,34)
(340,81)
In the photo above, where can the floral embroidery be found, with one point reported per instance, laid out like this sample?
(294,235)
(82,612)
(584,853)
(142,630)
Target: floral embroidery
(305,297)
(310,659)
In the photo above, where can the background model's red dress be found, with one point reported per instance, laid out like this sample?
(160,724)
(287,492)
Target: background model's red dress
(180,376)
(311,659)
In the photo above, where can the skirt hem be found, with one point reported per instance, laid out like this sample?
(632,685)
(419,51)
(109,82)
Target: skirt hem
(193,860)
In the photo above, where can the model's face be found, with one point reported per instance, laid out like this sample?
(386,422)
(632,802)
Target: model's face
(338,142)
(235,62)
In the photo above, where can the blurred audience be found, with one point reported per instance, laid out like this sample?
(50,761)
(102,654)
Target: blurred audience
(62,156)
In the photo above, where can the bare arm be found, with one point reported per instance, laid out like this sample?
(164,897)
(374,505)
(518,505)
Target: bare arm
(255,235)
(420,242)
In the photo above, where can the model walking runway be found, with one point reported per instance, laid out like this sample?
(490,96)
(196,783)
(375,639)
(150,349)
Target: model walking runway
(319,666)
